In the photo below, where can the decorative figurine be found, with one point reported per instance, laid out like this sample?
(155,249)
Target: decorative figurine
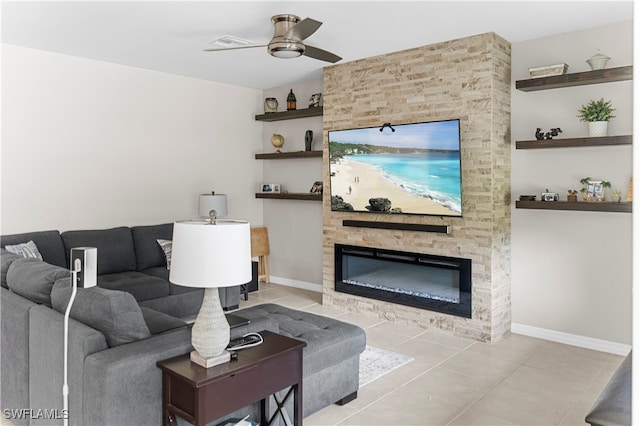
(617,196)
(308,138)
(549,196)
(598,61)
(572,195)
(270,105)
(549,135)
(277,141)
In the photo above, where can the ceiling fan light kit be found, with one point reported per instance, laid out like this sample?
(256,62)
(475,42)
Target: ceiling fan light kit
(286,43)
(285,50)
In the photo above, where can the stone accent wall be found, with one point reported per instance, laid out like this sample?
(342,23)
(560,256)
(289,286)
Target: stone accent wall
(469,79)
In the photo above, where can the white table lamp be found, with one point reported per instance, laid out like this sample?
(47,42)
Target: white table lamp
(207,255)
(215,202)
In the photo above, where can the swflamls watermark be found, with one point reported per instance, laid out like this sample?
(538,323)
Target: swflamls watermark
(35,413)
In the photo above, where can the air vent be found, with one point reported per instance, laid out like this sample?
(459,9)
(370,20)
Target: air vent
(230,41)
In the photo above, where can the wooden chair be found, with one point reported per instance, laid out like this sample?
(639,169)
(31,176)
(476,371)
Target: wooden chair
(260,249)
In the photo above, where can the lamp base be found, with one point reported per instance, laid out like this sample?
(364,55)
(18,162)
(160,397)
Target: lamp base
(210,332)
(196,358)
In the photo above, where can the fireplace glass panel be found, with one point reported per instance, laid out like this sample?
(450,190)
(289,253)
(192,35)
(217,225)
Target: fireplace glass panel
(415,280)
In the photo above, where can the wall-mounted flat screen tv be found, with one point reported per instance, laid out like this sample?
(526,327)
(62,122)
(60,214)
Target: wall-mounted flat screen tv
(414,169)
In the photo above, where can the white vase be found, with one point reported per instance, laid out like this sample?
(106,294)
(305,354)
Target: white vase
(598,128)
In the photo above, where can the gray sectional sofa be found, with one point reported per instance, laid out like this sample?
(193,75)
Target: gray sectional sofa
(120,329)
(613,406)
(129,259)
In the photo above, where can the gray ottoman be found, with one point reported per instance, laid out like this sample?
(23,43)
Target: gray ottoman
(331,359)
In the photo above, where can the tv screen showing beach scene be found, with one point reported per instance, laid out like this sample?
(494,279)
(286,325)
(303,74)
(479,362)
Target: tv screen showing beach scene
(414,169)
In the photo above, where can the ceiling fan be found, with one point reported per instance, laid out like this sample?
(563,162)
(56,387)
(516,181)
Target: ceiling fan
(289,31)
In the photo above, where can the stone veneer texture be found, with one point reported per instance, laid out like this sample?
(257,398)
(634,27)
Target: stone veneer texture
(469,79)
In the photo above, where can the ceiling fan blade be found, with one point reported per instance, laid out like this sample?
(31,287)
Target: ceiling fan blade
(234,48)
(303,29)
(323,55)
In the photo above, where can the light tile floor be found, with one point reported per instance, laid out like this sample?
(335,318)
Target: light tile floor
(454,381)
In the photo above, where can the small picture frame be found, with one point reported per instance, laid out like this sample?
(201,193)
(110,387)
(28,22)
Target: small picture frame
(316,188)
(315,100)
(270,188)
(595,190)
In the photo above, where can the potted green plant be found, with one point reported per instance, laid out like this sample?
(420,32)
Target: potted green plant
(597,114)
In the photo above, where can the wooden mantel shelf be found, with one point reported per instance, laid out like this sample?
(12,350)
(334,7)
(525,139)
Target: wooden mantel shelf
(607,75)
(586,206)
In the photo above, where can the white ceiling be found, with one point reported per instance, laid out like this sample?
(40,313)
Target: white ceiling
(170,36)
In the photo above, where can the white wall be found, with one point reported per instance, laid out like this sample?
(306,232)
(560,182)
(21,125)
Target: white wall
(89,144)
(571,271)
(295,227)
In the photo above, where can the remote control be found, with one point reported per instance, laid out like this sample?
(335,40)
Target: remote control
(246,341)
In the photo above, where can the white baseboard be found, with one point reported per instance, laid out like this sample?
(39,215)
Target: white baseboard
(571,339)
(297,284)
(527,330)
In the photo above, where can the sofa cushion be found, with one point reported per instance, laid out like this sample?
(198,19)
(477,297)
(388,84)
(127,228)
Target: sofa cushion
(159,322)
(28,249)
(6,259)
(158,271)
(32,278)
(141,286)
(49,245)
(163,272)
(115,314)
(148,253)
(329,341)
(115,247)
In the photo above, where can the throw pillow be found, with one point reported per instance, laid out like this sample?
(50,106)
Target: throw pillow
(115,314)
(28,249)
(33,278)
(166,246)
(6,258)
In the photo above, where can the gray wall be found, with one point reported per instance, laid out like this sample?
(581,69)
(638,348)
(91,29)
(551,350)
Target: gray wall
(91,144)
(571,270)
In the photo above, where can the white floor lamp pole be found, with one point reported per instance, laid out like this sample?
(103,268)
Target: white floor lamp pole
(65,387)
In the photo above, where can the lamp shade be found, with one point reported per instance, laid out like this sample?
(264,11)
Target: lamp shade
(210,202)
(205,255)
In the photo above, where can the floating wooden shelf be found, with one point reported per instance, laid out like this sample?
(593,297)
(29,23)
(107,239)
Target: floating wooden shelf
(575,142)
(290,115)
(596,206)
(288,155)
(308,196)
(576,79)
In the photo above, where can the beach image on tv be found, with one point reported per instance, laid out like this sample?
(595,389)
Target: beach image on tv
(413,170)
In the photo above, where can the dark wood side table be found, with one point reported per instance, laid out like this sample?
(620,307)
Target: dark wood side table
(201,395)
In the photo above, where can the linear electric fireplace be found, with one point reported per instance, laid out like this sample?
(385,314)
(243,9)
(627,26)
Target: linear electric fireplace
(437,283)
